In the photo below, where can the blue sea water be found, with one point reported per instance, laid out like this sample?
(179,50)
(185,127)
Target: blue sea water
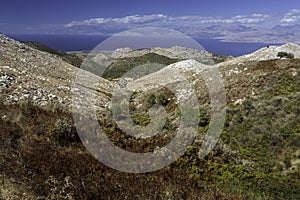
(84,43)
(231,48)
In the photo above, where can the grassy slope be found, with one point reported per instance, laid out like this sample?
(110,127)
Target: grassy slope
(41,149)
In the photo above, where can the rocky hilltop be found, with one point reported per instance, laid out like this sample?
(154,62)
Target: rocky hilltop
(266,53)
(175,52)
(256,157)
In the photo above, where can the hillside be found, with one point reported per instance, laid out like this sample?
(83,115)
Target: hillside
(121,66)
(122,60)
(175,52)
(71,58)
(42,156)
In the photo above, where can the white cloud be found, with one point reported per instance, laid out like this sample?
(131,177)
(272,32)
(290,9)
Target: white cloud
(195,26)
(160,19)
(134,19)
(252,27)
(252,19)
(293,16)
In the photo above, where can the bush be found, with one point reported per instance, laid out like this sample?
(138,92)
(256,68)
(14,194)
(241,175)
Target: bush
(204,118)
(287,162)
(151,100)
(64,132)
(285,55)
(162,100)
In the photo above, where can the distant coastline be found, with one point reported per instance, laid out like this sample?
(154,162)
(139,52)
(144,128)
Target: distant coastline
(85,43)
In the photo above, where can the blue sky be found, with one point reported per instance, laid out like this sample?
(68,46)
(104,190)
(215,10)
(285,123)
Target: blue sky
(195,17)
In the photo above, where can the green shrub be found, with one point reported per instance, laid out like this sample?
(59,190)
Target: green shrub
(204,118)
(285,55)
(287,161)
(151,100)
(64,132)
(162,100)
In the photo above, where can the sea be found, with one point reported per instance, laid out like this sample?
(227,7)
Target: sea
(71,43)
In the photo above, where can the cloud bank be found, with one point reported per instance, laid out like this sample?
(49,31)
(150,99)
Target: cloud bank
(292,16)
(257,27)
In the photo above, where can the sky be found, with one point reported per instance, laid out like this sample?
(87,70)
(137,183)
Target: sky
(228,20)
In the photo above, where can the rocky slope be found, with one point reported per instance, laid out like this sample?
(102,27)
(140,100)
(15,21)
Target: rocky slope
(257,156)
(30,74)
(266,53)
(72,58)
